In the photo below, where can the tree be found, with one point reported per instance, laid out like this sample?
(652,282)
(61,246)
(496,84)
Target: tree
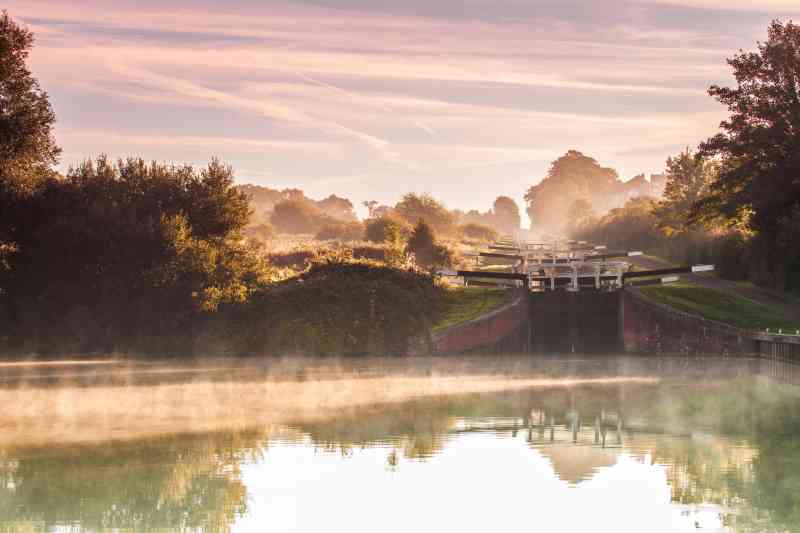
(687,179)
(338,208)
(414,208)
(377,229)
(142,252)
(427,252)
(28,149)
(480,232)
(345,231)
(580,215)
(759,147)
(297,216)
(570,177)
(632,226)
(506,212)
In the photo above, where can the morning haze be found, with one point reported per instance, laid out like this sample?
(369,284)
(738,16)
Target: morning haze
(346,265)
(382,99)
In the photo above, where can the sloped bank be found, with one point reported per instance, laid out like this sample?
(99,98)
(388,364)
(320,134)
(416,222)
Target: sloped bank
(503,330)
(651,327)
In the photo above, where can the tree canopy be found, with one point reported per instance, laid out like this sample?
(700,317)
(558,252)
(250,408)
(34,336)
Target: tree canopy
(758,150)
(28,148)
(416,207)
(570,177)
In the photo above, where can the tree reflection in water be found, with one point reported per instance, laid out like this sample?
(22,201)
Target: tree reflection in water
(178,482)
(725,442)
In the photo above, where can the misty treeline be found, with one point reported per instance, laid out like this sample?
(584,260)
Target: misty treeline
(733,201)
(290,211)
(153,258)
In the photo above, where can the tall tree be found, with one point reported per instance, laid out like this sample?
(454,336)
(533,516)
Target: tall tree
(759,152)
(506,212)
(416,207)
(570,177)
(28,149)
(688,177)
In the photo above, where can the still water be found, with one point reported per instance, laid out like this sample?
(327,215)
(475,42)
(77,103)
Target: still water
(603,444)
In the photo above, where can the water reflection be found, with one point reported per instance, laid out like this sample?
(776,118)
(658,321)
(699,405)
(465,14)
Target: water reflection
(699,451)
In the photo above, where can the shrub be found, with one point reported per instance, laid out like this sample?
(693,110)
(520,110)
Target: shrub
(346,231)
(479,232)
(298,216)
(427,252)
(342,308)
(377,229)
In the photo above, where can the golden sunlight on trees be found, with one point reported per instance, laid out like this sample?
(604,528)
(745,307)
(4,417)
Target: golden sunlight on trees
(427,252)
(414,208)
(688,178)
(28,148)
(571,177)
(758,151)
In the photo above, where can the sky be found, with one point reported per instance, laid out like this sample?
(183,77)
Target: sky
(370,99)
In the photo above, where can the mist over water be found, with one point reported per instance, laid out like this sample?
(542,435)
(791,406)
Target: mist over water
(472,444)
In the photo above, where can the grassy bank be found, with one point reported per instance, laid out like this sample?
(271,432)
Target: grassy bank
(462,304)
(720,306)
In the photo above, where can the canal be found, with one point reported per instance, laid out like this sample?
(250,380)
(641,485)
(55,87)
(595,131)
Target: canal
(468,444)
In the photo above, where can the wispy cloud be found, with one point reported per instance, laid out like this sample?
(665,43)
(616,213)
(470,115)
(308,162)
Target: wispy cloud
(449,96)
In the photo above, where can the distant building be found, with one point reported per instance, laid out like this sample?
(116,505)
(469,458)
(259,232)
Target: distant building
(657,184)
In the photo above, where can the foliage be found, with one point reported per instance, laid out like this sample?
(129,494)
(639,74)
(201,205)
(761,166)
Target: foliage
(164,240)
(341,307)
(479,232)
(414,208)
(632,226)
(570,177)
(300,258)
(194,483)
(338,208)
(27,146)
(504,217)
(299,217)
(720,306)
(376,209)
(580,216)
(506,214)
(378,229)
(259,233)
(758,147)
(427,252)
(345,231)
(688,177)
(394,245)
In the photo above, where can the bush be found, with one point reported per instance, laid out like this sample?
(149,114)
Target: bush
(144,252)
(299,217)
(346,231)
(427,252)
(377,229)
(478,232)
(342,308)
(301,258)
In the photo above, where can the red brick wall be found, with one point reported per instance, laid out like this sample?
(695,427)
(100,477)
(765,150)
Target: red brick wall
(507,325)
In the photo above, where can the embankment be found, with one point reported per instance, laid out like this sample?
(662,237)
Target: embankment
(654,328)
(504,330)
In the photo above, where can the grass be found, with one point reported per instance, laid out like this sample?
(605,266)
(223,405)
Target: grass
(720,306)
(462,304)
